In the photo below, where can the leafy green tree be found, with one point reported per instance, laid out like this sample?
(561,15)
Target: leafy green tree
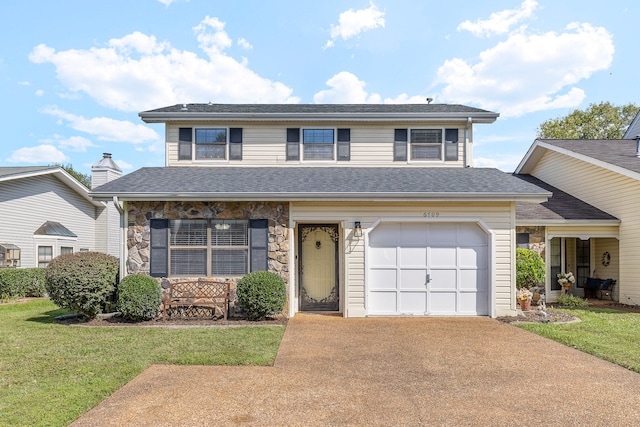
(85,179)
(530,269)
(598,121)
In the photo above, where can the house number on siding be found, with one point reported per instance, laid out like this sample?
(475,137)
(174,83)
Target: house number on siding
(431,214)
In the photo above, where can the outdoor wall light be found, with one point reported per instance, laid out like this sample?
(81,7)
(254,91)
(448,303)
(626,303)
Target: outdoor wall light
(357,229)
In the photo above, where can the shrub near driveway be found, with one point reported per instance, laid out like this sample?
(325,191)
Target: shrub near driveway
(50,373)
(608,334)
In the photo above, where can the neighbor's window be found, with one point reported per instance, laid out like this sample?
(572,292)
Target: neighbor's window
(426,144)
(211,143)
(45,255)
(318,144)
(203,247)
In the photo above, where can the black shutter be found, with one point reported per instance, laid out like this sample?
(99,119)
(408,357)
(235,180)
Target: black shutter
(293,144)
(344,144)
(185,137)
(159,248)
(235,144)
(400,145)
(259,244)
(451,144)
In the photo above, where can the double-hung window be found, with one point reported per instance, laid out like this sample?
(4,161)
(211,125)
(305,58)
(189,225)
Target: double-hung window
(318,144)
(45,255)
(200,247)
(211,143)
(426,144)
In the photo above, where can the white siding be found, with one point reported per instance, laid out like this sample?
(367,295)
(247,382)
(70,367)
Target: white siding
(498,217)
(614,193)
(28,203)
(265,145)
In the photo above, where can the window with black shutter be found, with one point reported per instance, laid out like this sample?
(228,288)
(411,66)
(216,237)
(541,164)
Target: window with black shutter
(259,244)
(159,235)
(344,144)
(235,144)
(293,144)
(451,144)
(400,145)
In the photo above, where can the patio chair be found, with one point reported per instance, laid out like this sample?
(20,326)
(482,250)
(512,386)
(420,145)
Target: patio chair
(606,289)
(592,287)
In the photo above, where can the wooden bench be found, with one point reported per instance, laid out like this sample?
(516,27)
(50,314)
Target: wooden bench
(197,293)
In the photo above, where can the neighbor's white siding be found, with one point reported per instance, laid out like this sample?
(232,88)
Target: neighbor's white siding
(26,204)
(612,192)
(265,145)
(499,217)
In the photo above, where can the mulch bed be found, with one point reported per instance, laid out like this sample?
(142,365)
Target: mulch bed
(535,315)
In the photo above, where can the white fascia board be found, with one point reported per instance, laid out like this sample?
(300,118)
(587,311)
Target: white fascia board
(569,222)
(331,197)
(318,117)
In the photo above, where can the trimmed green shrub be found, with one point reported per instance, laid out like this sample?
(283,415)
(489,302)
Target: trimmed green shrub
(571,301)
(530,269)
(21,282)
(139,297)
(84,282)
(261,294)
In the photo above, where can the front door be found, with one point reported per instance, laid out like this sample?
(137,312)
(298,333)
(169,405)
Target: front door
(318,272)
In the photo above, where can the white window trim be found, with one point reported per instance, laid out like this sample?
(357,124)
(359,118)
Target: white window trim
(321,161)
(194,145)
(410,158)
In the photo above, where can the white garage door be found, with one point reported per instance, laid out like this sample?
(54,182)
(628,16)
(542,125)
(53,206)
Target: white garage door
(428,269)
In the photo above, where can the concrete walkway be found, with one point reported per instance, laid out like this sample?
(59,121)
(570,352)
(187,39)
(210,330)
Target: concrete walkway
(387,371)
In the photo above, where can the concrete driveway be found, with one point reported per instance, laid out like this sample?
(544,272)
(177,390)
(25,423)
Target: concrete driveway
(387,371)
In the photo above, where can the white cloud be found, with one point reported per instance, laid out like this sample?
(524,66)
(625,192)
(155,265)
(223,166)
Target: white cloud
(353,22)
(42,154)
(244,44)
(123,165)
(346,88)
(500,22)
(24,83)
(137,72)
(39,92)
(507,163)
(406,99)
(529,72)
(105,128)
(75,143)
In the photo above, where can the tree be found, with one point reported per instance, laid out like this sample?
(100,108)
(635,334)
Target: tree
(84,179)
(598,121)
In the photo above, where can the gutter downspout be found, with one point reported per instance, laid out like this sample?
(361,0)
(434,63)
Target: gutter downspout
(123,231)
(468,154)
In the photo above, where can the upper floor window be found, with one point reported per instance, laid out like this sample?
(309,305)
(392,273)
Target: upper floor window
(318,144)
(210,144)
(425,144)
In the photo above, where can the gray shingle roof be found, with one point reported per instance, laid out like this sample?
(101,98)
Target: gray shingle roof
(617,152)
(561,206)
(317,108)
(295,183)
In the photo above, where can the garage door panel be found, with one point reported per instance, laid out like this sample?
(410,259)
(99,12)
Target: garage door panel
(472,235)
(412,279)
(383,302)
(412,257)
(442,257)
(383,256)
(412,235)
(443,279)
(413,303)
(442,303)
(474,303)
(383,279)
(474,257)
(442,235)
(384,236)
(474,280)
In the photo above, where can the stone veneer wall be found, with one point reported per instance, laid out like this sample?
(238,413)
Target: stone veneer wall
(138,233)
(536,238)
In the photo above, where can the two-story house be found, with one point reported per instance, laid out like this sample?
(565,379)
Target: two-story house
(362,209)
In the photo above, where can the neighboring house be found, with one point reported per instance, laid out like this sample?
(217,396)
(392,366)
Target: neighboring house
(362,209)
(633,131)
(47,212)
(591,225)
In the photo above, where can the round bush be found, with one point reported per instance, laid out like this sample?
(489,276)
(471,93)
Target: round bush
(530,270)
(139,297)
(84,282)
(261,294)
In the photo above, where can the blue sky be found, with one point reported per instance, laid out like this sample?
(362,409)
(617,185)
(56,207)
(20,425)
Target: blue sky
(75,74)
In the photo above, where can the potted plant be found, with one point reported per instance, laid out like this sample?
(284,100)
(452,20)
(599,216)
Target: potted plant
(566,280)
(524,298)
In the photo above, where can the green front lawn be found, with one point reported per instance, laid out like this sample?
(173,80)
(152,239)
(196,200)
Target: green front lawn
(608,334)
(51,373)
